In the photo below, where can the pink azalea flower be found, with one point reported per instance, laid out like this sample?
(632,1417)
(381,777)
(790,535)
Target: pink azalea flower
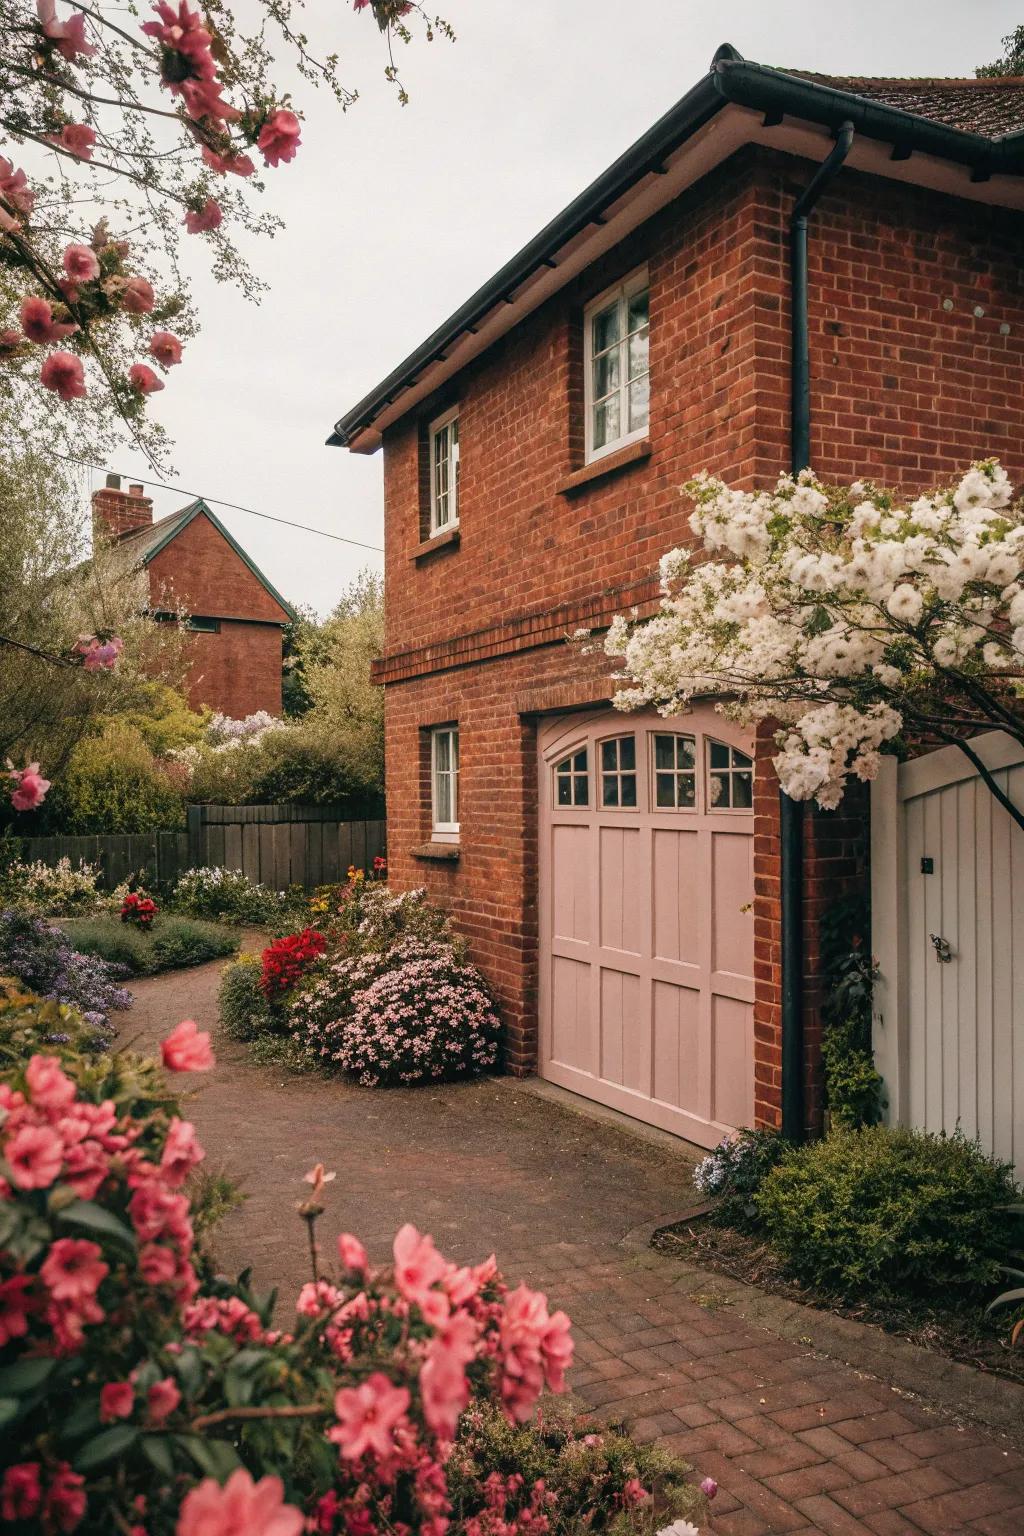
(73,1270)
(279,137)
(137,296)
(63,372)
(77,138)
(157,1264)
(162,1399)
(117,1399)
(65,1501)
(238,165)
(34,1155)
(352,1254)
(15,1308)
(368,1416)
(99,655)
(144,379)
(166,348)
(181,1152)
(634,1492)
(418,1268)
(85,1168)
(241,1506)
(22,1493)
(48,1084)
(536,1348)
(68,35)
(186,1049)
(708,1487)
(206,218)
(443,1383)
(38,323)
(81,263)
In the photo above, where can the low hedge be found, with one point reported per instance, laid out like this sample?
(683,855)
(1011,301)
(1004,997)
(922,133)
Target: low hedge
(244,1011)
(891,1212)
(172,943)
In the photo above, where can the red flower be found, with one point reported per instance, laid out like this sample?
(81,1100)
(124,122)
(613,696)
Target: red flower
(286,961)
(279,137)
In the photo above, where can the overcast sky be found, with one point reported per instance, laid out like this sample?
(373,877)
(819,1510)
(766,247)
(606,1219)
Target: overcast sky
(394,215)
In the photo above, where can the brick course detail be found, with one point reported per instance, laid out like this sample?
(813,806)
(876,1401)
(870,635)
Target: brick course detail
(909,384)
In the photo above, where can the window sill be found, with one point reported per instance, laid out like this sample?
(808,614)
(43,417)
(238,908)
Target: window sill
(444,853)
(609,465)
(448,539)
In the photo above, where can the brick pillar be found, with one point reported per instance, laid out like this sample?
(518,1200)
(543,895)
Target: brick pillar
(116,512)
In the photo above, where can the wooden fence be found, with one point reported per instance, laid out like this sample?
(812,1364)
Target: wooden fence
(280,845)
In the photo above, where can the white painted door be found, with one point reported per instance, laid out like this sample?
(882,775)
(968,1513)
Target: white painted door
(948,878)
(646,920)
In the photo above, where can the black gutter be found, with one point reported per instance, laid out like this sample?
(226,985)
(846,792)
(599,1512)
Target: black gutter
(791,812)
(731,79)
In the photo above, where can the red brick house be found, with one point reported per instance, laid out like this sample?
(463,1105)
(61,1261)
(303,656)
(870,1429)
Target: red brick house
(235,617)
(631,886)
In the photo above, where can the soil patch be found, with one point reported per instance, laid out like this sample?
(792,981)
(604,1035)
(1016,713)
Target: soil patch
(966,1336)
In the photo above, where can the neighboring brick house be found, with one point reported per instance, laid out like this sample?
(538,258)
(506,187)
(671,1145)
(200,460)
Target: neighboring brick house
(618,876)
(235,617)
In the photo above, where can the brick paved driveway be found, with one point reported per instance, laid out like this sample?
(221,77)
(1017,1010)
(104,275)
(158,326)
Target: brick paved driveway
(798,1443)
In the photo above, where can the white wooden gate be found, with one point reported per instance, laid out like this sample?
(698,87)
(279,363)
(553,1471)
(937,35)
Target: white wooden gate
(947,876)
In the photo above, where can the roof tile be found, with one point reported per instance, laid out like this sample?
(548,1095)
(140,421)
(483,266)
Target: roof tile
(991,107)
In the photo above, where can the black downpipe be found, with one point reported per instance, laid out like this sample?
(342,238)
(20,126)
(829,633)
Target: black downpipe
(792,811)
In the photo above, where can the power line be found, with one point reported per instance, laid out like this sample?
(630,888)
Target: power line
(218,502)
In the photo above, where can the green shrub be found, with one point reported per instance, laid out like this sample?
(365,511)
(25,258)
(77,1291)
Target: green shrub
(172,942)
(890,1212)
(853,1084)
(113,783)
(228,894)
(734,1172)
(244,1011)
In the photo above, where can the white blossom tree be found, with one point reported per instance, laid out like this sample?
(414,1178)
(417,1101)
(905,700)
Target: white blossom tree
(847,617)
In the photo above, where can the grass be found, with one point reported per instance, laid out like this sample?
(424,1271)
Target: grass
(171,944)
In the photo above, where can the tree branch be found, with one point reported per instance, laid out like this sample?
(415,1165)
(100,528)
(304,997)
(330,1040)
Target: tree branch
(241,1415)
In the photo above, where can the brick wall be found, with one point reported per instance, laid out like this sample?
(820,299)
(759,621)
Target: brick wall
(203,573)
(908,384)
(237,670)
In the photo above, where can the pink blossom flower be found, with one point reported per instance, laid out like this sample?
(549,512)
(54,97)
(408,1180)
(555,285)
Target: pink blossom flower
(352,1254)
(443,1383)
(68,35)
(117,1399)
(65,1502)
(137,296)
(73,1270)
(9,339)
(418,1268)
(85,1168)
(708,1487)
(34,1156)
(81,263)
(15,195)
(368,1416)
(162,1399)
(99,655)
(186,1049)
(15,1308)
(77,138)
(634,1492)
(48,1084)
(279,137)
(38,323)
(238,165)
(536,1348)
(22,1493)
(198,222)
(166,348)
(63,372)
(181,1152)
(157,1264)
(240,1508)
(144,379)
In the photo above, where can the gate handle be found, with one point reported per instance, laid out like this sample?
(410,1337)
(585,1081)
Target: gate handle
(943,953)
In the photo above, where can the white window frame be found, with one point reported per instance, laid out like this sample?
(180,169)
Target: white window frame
(449,419)
(444,831)
(622,293)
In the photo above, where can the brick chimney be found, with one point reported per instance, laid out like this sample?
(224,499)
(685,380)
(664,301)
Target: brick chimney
(116,512)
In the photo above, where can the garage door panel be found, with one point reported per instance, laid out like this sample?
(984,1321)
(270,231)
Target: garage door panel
(679,915)
(625,1036)
(732,1030)
(678,1067)
(646,929)
(571,1033)
(620,877)
(571,900)
(732,914)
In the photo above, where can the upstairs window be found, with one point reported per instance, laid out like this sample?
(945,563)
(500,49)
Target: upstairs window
(617,377)
(444,473)
(203,624)
(444,782)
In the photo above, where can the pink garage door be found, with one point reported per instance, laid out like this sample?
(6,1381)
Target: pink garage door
(647,928)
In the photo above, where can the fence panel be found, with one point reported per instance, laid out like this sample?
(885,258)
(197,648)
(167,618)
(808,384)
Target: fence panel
(280,845)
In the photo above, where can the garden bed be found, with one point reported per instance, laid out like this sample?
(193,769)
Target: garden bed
(965,1335)
(172,943)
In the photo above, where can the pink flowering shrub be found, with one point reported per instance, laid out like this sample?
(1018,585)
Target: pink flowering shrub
(138,1396)
(413,1012)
